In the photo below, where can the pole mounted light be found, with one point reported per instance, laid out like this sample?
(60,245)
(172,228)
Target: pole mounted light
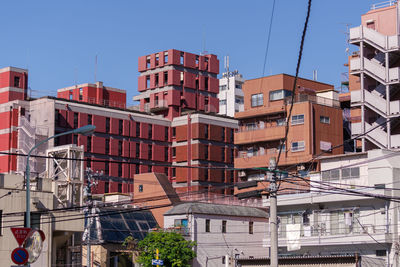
(85,130)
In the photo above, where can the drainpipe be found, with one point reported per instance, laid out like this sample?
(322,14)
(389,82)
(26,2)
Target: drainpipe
(189,152)
(362,94)
(388,134)
(9,140)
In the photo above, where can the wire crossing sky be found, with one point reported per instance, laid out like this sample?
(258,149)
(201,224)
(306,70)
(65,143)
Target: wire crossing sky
(58,40)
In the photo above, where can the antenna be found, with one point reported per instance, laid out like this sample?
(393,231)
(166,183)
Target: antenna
(315,75)
(75,75)
(95,69)
(203,49)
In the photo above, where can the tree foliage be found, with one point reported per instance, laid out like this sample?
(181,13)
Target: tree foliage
(174,250)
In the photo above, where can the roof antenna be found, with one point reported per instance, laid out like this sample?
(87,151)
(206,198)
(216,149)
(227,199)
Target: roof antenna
(204,52)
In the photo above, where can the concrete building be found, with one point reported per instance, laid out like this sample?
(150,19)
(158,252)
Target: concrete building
(375,78)
(230,93)
(329,221)
(315,125)
(222,232)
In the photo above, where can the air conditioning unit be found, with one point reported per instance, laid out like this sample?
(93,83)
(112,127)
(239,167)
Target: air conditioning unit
(300,167)
(241,173)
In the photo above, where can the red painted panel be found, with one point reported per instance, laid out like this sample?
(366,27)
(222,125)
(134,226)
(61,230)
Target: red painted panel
(152,61)
(114,126)
(189,80)
(7,163)
(174,97)
(98,145)
(114,169)
(158,132)
(201,82)
(15,96)
(125,170)
(158,153)
(144,130)
(142,83)
(142,63)
(200,104)
(113,147)
(152,81)
(189,60)
(161,79)
(213,65)
(125,148)
(214,104)
(190,99)
(144,151)
(5,79)
(63,115)
(100,123)
(132,149)
(82,119)
(5,120)
(214,85)
(174,57)
(161,59)
(126,128)
(176,77)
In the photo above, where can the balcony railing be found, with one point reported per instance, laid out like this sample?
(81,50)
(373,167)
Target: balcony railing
(314,99)
(255,153)
(159,105)
(257,126)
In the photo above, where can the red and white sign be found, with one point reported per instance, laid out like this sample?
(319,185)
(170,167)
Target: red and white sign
(20,234)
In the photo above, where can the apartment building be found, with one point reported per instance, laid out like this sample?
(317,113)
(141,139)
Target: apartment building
(222,232)
(178,115)
(375,77)
(315,125)
(230,93)
(327,221)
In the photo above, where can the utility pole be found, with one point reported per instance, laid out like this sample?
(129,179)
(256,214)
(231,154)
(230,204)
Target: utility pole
(273,218)
(89,203)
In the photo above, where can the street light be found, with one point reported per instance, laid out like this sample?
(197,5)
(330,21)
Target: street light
(85,130)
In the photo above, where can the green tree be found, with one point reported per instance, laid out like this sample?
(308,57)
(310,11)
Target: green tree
(173,249)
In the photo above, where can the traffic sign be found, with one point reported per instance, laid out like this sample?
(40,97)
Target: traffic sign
(20,234)
(157,262)
(19,256)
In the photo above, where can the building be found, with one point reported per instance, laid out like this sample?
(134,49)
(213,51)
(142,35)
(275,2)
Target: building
(347,210)
(222,232)
(315,125)
(58,246)
(374,78)
(230,93)
(177,121)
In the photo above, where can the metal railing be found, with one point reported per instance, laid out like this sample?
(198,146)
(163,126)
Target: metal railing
(314,99)
(258,126)
(383,4)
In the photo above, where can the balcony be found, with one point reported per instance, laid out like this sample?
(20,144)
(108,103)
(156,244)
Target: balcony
(247,135)
(159,105)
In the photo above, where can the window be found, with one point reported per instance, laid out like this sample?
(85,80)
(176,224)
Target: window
(206,175)
(120,127)
(181,59)
(140,188)
(380,253)
(165,77)
(88,163)
(137,150)
(106,187)
(148,62)
(137,170)
(35,220)
(149,168)
(222,87)
(251,228)
(89,144)
(223,154)
(119,169)
(222,101)
(75,139)
(206,131)
(137,129)
(174,132)
(231,159)
(298,119)
(173,172)
(147,81)
(298,146)
(257,100)
(71,96)
(156,79)
(107,168)
(182,76)
(150,152)
(223,134)
(90,119)
(207,226)
(344,222)
(166,156)
(75,120)
(157,59)
(239,100)
(330,175)
(80,93)
(279,94)
(119,188)
(166,171)
(16,81)
(238,86)
(349,173)
(206,83)
(150,131)
(324,119)
(107,125)
(165,57)
(174,152)
(57,117)
(206,152)
(107,147)
(119,148)
(166,133)
(223,229)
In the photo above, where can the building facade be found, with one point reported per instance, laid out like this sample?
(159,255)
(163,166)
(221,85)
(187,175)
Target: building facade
(230,93)
(375,78)
(222,232)
(315,125)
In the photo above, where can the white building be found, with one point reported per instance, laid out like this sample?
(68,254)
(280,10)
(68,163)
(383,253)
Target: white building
(230,93)
(222,232)
(337,223)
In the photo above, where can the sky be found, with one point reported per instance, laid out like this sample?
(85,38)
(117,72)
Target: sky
(58,41)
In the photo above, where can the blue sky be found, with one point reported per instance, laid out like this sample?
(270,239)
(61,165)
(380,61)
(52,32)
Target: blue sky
(59,40)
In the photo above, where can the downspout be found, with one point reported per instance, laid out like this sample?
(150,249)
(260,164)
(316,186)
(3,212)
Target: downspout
(189,152)
(9,141)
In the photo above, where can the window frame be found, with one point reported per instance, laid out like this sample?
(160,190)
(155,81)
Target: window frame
(257,100)
(299,147)
(297,119)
